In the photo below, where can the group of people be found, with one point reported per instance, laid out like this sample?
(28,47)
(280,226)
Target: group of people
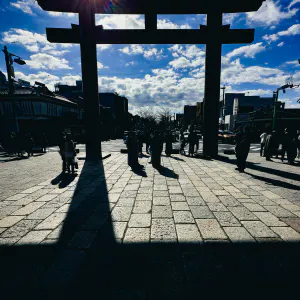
(154,147)
(290,144)
(192,140)
(21,143)
(67,151)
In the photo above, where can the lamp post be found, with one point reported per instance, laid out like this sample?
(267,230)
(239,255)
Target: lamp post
(10,73)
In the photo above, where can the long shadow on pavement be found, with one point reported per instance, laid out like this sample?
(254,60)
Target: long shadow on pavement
(87,259)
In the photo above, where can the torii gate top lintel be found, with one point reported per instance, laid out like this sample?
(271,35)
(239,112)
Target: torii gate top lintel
(151,6)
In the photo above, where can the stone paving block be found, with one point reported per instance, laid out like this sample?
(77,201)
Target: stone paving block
(32,189)
(127,194)
(21,228)
(281,201)
(140,220)
(82,239)
(279,211)
(231,189)
(52,221)
(131,187)
(188,233)
(254,207)
(41,213)
(239,196)
(121,213)
(10,221)
(210,229)
(287,234)
(16,197)
(145,190)
(163,230)
(270,195)
(217,206)
(269,219)
(177,197)
(28,209)
(190,192)
(160,194)
(180,206)
(242,213)
(160,187)
(137,235)
(238,234)
(229,201)
(210,197)
(195,201)
(261,200)
(175,190)
(220,192)
(292,222)
(203,189)
(142,207)
(144,197)
(8,209)
(95,221)
(161,200)
(291,207)
(162,211)
(34,237)
(201,212)
(46,198)
(226,218)
(258,229)
(126,202)
(183,217)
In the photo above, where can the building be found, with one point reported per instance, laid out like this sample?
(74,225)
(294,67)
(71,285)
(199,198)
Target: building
(237,106)
(3,83)
(39,111)
(119,108)
(190,114)
(71,92)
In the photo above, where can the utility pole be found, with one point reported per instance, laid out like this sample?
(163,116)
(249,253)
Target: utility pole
(223,104)
(11,87)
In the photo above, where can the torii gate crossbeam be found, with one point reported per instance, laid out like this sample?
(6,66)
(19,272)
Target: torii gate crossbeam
(87,34)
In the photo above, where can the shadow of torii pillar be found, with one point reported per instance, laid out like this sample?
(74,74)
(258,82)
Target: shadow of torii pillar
(213,35)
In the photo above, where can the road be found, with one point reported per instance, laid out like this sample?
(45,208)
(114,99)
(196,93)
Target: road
(117,145)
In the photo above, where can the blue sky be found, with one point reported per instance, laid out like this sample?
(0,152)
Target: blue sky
(160,75)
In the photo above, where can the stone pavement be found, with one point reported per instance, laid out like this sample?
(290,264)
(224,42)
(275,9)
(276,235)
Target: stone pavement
(190,225)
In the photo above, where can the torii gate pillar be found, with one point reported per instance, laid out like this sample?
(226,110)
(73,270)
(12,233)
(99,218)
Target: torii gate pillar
(88,49)
(212,85)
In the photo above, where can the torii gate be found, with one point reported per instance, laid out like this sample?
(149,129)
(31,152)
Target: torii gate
(87,34)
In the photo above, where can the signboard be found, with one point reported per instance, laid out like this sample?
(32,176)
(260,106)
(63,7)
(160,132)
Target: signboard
(235,106)
(24,83)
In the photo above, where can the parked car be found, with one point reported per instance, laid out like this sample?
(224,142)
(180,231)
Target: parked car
(226,136)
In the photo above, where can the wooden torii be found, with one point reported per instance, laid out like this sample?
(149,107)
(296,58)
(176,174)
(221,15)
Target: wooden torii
(88,35)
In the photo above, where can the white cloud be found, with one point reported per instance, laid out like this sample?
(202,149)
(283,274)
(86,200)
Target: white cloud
(293,62)
(187,51)
(121,21)
(26,6)
(44,77)
(70,79)
(101,66)
(131,63)
(180,63)
(166,24)
(103,47)
(293,3)
(46,61)
(270,13)
(247,51)
(230,18)
(293,30)
(33,42)
(149,53)
(280,44)
(60,14)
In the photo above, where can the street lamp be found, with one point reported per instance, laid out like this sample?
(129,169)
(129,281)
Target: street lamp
(11,73)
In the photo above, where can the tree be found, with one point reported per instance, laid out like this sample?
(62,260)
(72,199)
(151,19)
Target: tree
(147,117)
(164,116)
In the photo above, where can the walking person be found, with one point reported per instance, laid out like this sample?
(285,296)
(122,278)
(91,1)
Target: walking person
(44,142)
(270,146)
(29,144)
(285,142)
(192,141)
(69,154)
(298,143)
(263,138)
(169,142)
(242,150)
(61,146)
(132,145)
(156,150)
(291,149)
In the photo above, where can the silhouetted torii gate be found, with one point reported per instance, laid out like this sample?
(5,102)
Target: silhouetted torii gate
(87,34)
